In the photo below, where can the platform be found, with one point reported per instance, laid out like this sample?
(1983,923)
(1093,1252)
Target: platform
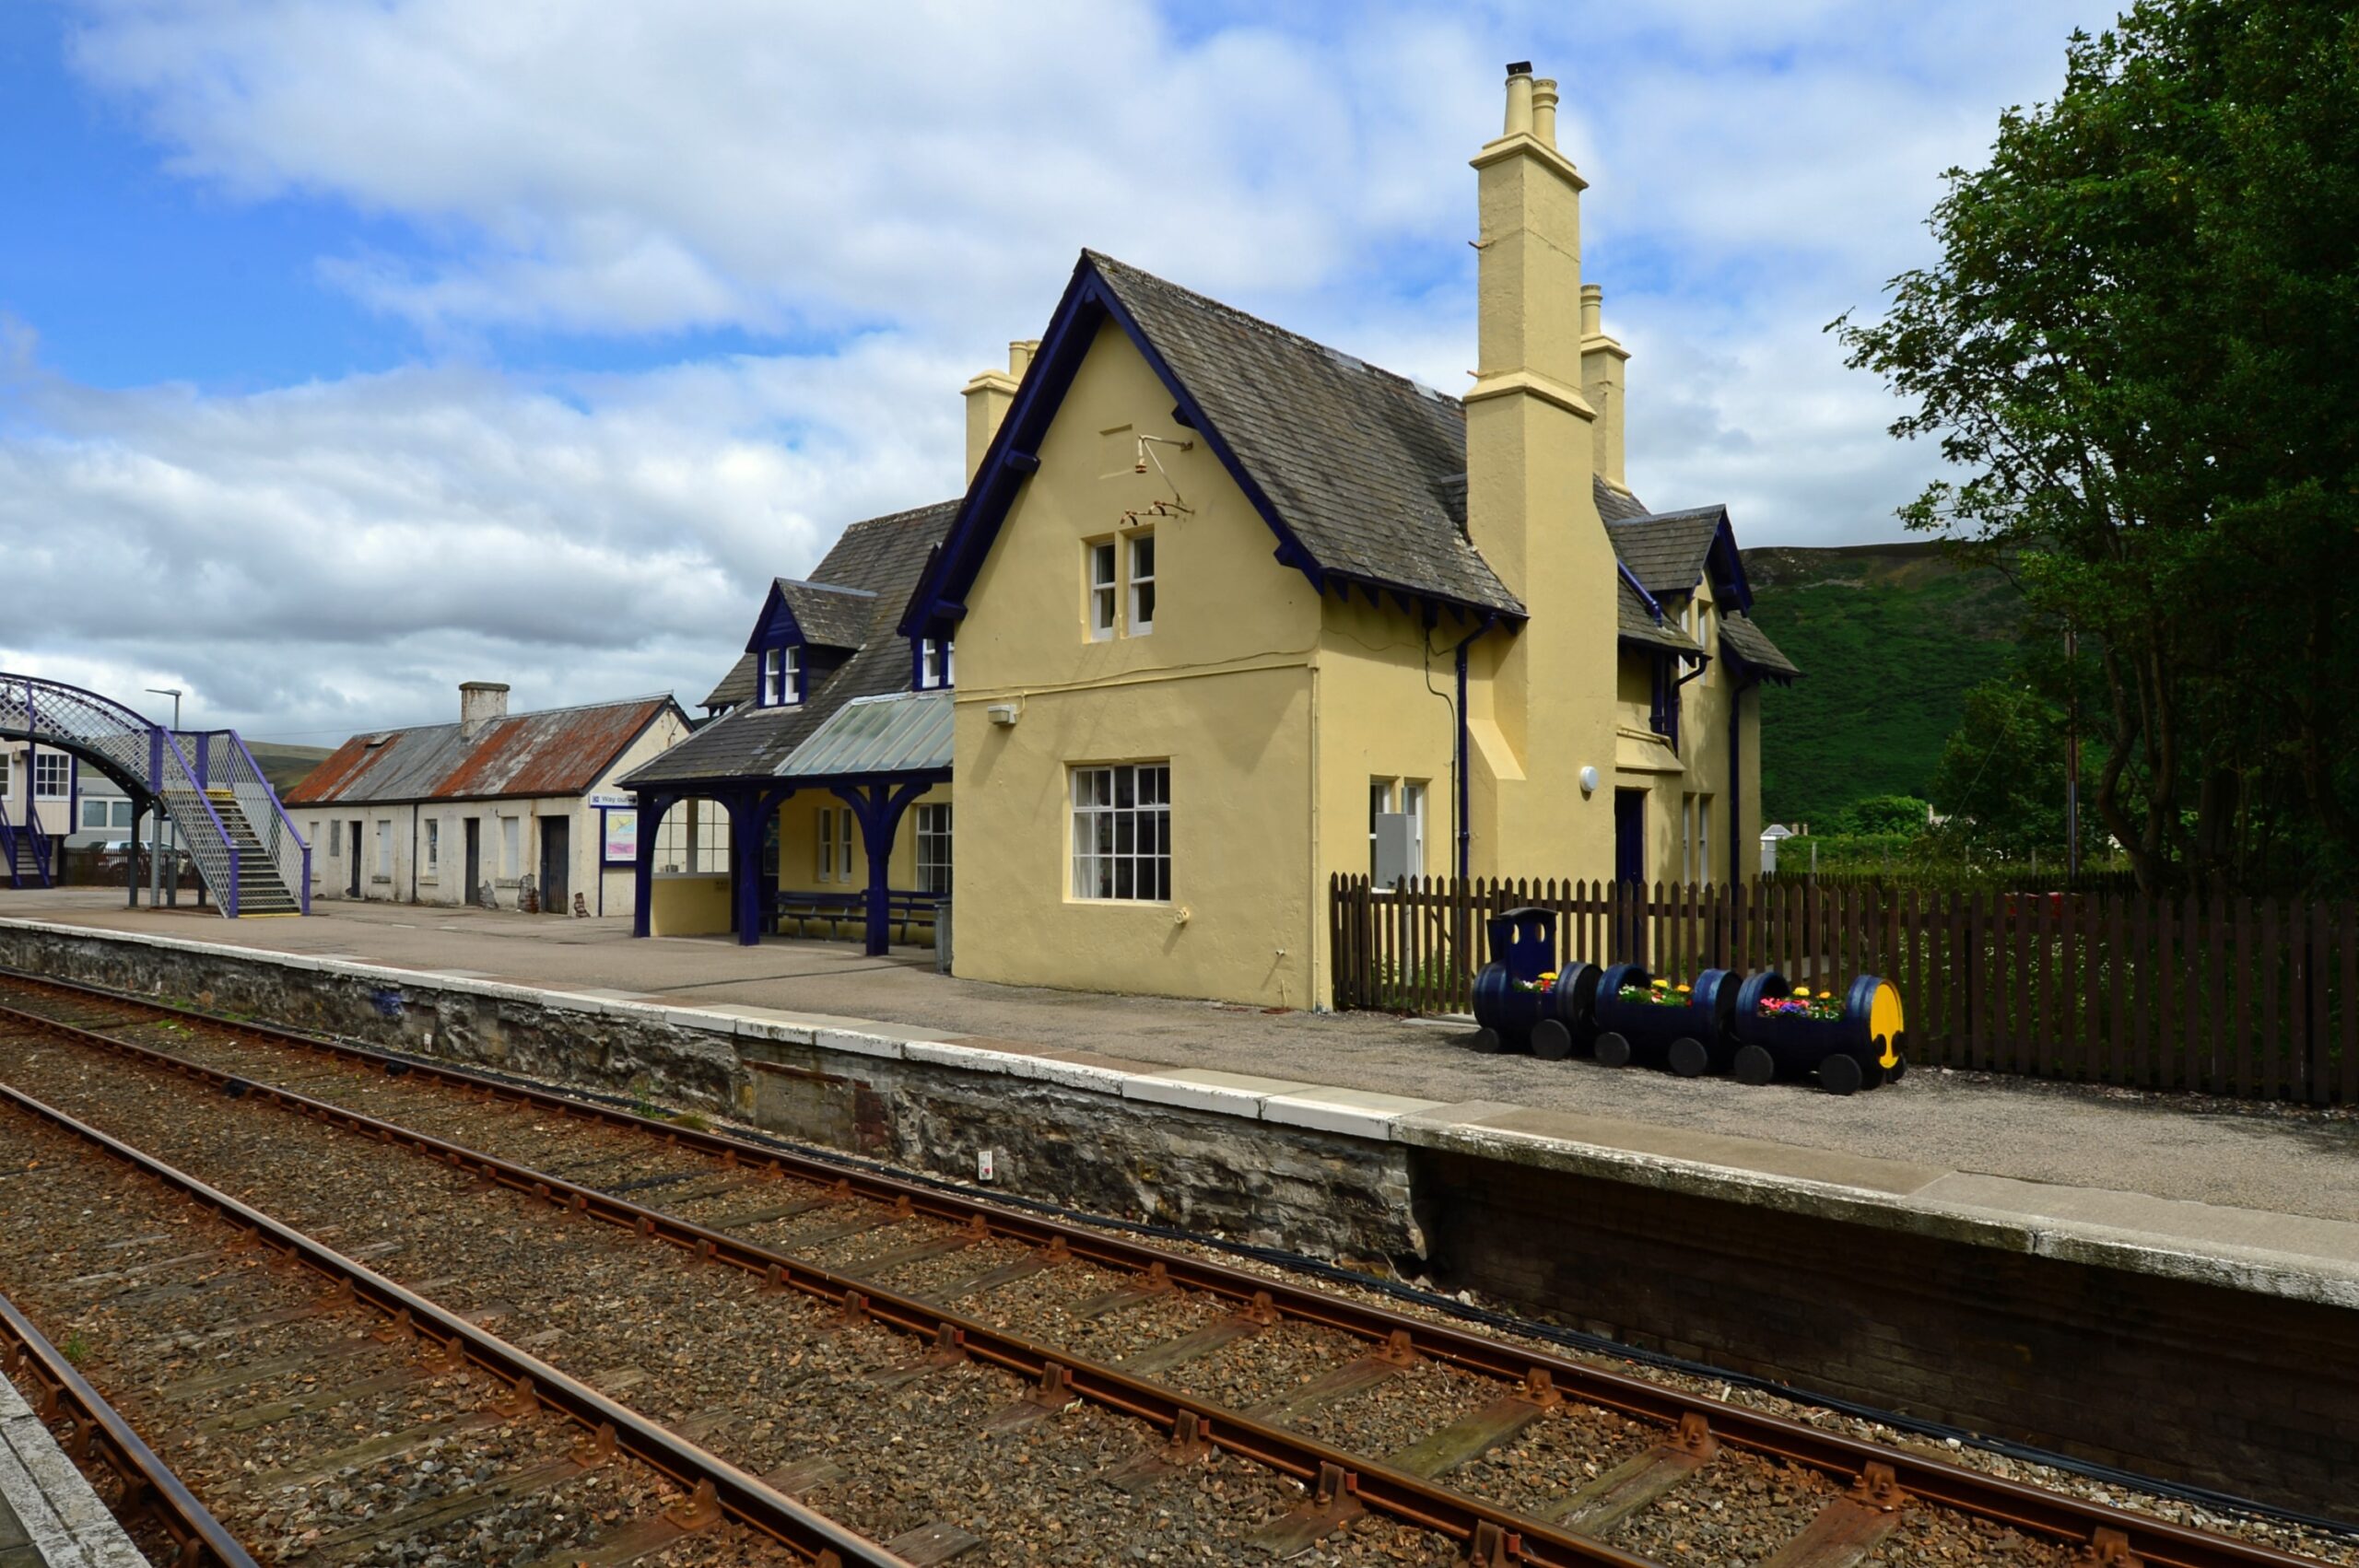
(2161,1284)
(49,1515)
(2249,1195)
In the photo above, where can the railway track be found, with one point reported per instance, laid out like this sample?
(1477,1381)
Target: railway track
(958,1377)
(321,1411)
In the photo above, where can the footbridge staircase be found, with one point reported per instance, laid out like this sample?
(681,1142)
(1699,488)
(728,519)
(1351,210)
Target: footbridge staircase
(222,809)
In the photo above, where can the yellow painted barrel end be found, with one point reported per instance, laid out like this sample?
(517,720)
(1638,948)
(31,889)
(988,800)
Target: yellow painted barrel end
(1885,1022)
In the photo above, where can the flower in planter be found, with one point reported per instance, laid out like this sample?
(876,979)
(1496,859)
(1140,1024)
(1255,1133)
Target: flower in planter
(1545,982)
(1659,994)
(1823,1008)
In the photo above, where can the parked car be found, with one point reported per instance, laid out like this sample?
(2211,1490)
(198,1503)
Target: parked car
(114,854)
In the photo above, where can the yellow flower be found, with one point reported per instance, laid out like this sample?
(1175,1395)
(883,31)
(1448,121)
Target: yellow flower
(1683,990)
(1803,991)
(1549,976)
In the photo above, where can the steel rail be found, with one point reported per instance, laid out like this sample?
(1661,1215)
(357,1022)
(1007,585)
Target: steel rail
(2020,1506)
(750,1501)
(1057,1375)
(101,1433)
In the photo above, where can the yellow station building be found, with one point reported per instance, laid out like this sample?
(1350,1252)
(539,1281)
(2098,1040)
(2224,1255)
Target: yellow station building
(1233,613)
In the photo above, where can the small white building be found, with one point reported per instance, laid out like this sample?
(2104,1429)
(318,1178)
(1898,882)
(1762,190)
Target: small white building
(497,809)
(1770,837)
(39,788)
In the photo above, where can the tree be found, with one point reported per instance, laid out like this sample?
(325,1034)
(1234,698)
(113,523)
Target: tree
(2142,342)
(1883,814)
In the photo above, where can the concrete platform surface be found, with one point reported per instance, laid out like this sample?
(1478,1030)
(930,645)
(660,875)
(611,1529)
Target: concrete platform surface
(2238,1192)
(49,1515)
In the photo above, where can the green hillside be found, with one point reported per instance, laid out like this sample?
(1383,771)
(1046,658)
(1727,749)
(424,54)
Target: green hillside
(1889,637)
(284,766)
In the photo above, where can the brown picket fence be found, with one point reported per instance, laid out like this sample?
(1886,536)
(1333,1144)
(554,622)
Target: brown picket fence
(2251,998)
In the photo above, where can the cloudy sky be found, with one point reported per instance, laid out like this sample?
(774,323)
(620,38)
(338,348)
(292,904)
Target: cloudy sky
(349,350)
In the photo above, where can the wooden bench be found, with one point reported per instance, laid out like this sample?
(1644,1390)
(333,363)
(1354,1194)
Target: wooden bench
(903,908)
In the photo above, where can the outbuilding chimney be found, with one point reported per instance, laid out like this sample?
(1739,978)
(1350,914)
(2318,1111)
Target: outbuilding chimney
(480,702)
(988,398)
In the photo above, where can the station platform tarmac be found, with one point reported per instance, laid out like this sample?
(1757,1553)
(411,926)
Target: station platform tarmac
(2249,1195)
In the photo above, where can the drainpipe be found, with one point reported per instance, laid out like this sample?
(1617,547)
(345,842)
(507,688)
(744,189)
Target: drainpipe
(1466,828)
(413,852)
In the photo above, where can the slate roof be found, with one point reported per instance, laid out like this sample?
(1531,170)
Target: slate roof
(1665,551)
(735,686)
(1750,643)
(560,751)
(1367,469)
(1638,623)
(881,556)
(1668,553)
(830,614)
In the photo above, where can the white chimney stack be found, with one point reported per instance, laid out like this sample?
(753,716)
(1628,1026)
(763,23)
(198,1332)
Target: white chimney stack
(480,702)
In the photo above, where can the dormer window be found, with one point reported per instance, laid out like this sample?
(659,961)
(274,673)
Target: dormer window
(934,663)
(781,676)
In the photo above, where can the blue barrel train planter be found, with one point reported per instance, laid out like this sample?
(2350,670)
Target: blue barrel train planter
(1522,999)
(1783,1030)
(1686,1028)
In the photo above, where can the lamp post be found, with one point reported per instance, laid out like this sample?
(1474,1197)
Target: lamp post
(160,841)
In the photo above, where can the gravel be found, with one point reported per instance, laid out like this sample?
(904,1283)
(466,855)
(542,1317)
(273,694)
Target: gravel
(1547,1459)
(151,1299)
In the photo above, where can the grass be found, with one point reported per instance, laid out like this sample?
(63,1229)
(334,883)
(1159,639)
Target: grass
(77,1348)
(1888,637)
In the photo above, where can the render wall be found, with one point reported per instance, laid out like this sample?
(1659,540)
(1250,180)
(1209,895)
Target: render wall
(412,874)
(1221,689)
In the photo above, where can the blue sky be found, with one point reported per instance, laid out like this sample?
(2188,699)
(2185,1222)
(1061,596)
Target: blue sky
(348,351)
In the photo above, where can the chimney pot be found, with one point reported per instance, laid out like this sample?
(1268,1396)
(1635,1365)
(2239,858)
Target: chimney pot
(1592,311)
(1519,99)
(480,702)
(1019,356)
(1544,111)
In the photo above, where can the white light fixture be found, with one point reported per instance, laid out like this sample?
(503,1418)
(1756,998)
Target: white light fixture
(1589,780)
(1002,713)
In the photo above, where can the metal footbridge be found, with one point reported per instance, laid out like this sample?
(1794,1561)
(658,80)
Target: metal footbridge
(240,838)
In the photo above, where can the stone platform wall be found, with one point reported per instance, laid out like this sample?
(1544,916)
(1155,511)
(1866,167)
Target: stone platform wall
(2253,1391)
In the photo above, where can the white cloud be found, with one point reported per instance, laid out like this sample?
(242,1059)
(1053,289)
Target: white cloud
(907,188)
(313,556)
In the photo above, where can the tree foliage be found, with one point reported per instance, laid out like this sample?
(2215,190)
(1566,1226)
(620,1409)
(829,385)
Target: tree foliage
(1883,814)
(2141,342)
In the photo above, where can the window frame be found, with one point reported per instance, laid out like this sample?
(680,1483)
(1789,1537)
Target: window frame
(1102,599)
(935,848)
(779,683)
(936,667)
(98,803)
(1090,848)
(433,845)
(53,775)
(1137,624)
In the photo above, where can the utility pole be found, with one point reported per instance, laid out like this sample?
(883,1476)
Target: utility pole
(2072,757)
(162,841)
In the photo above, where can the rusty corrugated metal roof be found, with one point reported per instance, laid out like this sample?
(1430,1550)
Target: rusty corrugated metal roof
(560,751)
